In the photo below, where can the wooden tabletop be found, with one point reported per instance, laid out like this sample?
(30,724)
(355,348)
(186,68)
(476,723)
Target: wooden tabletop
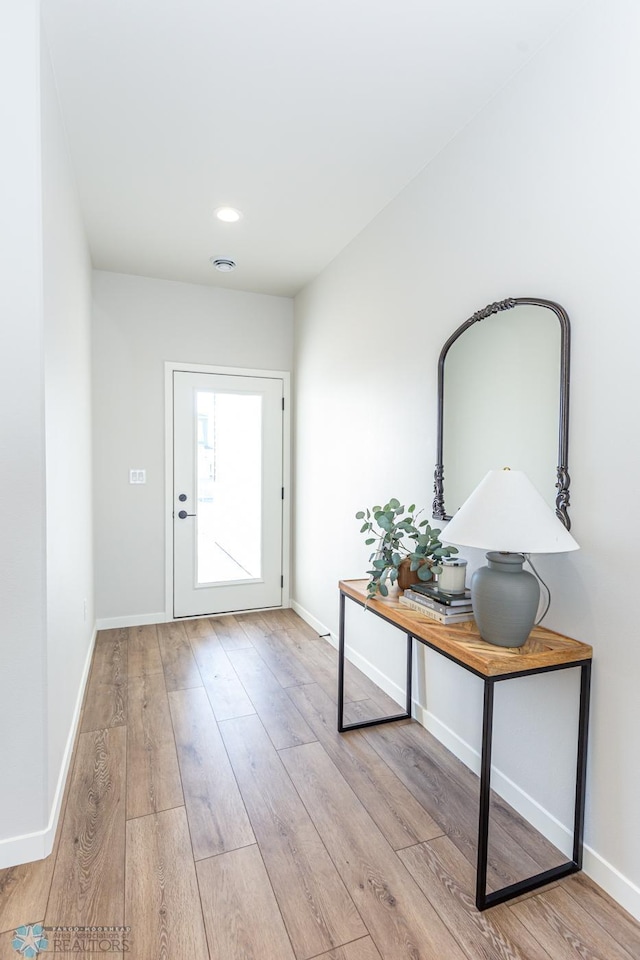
(463,643)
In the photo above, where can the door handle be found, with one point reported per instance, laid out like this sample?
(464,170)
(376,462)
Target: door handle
(183,514)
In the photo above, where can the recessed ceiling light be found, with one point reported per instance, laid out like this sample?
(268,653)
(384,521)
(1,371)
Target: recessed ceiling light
(228,214)
(223,264)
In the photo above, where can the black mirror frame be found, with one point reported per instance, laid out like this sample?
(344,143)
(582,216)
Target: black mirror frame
(563,480)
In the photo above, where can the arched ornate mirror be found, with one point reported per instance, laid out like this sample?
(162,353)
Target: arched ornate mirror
(503,400)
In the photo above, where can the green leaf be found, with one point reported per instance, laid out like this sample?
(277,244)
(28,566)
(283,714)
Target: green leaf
(423,523)
(424,573)
(380,564)
(415,565)
(383,590)
(394,504)
(384,522)
(364,528)
(370,541)
(412,508)
(396,558)
(375,510)
(360,515)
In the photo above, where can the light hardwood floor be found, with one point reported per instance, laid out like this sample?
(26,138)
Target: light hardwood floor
(213,809)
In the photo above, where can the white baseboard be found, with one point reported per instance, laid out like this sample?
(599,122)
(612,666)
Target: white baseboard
(38,845)
(603,873)
(24,849)
(133,620)
(610,879)
(68,750)
(315,624)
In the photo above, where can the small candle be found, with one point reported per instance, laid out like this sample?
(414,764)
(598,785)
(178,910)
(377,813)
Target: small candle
(454,572)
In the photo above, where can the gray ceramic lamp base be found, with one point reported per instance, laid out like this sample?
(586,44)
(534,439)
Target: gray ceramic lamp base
(505,600)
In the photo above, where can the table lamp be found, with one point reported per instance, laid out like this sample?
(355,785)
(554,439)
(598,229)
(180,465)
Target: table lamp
(506,515)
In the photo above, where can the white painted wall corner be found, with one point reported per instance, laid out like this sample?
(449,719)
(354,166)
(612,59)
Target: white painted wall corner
(38,845)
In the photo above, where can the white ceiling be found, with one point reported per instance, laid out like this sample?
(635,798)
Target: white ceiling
(307,115)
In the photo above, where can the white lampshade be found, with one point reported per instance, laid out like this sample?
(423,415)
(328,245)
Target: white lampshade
(506,513)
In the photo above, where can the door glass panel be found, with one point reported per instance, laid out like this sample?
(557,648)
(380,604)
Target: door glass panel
(229,487)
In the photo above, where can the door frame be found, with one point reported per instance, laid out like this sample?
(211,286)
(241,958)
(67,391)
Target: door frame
(170,367)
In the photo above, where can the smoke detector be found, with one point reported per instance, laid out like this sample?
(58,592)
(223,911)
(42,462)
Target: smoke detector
(223,264)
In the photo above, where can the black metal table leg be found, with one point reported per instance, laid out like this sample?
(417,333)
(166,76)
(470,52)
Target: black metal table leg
(581,771)
(341,667)
(485,795)
(484,899)
(342,727)
(408,685)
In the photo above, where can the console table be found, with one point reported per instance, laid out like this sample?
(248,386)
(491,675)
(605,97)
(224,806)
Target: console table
(543,652)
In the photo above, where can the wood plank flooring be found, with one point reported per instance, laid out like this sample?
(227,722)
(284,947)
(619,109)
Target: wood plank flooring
(213,812)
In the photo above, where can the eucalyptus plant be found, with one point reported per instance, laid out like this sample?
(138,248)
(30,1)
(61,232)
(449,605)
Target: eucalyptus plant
(399,535)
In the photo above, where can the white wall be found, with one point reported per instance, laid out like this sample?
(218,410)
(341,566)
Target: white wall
(537,197)
(67,372)
(140,323)
(45,479)
(22,484)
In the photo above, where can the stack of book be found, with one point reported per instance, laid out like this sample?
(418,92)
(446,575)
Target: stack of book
(425,598)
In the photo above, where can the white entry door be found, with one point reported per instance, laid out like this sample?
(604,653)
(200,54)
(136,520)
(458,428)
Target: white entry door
(227,493)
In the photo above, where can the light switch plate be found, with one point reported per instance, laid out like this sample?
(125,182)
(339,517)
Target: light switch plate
(137,476)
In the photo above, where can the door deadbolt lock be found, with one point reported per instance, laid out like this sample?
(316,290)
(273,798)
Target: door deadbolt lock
(182,497)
